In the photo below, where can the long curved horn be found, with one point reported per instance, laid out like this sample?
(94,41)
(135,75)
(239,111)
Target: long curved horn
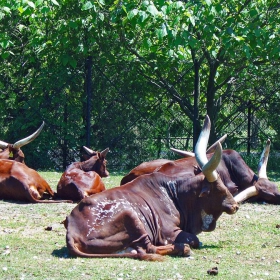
(28,139)
(247,193)
(3,145)
(183,153)
(210,150)
(88,150)
(208,167)
(104,152)
(263,161)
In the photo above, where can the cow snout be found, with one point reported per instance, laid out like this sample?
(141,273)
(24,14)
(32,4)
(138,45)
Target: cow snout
(233,209)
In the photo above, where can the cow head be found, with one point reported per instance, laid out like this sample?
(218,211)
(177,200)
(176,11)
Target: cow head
(96,162)
(13,151)
(214,197)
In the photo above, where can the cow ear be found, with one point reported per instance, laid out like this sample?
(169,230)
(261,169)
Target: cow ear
(205,191)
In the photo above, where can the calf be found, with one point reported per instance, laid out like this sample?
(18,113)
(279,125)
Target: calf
(82,179)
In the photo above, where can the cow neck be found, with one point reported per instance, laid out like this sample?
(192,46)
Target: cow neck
(255,179)
(188,203)
(171,188)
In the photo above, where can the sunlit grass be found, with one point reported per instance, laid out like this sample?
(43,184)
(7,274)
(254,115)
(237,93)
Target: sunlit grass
(32,246)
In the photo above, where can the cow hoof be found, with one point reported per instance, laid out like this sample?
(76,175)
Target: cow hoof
(187,250)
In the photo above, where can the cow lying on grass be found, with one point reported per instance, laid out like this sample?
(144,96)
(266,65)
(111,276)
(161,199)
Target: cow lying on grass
(234,172)
(21,183)
(150,166)
(154,215)
(82,179)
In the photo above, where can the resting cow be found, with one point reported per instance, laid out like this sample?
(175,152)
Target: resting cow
(13,151)
(21,183)
(153,215)
(82,179)
(235,173)
(150,166)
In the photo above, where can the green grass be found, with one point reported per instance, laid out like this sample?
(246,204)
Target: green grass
(243,246)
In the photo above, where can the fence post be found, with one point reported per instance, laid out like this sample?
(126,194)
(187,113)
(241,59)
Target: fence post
(249,128)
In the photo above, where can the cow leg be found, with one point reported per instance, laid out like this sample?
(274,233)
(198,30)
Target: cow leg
(177,249)
(187,238)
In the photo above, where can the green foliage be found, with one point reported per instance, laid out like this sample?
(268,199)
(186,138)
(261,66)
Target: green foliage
(143,74)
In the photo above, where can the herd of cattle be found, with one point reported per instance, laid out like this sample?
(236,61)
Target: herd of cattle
(159,207)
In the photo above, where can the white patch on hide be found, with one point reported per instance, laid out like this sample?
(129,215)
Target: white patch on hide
(206,220)
(105,211)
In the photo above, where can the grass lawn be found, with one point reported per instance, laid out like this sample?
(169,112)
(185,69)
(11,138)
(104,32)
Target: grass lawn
(32,246)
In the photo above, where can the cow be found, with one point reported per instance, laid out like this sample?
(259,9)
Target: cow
(143,168)
(233,170)
(13,151)
(82,179)
(21,183)
(151,166)
(153,215)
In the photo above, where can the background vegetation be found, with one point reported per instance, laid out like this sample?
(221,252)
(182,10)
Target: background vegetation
(137,76)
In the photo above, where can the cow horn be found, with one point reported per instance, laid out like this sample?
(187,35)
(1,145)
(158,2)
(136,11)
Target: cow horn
(182,153)
(247,193)
(263,161)
(28,139)
(208,167)
(211,149)
(88,150)
(104,152)
(3,145)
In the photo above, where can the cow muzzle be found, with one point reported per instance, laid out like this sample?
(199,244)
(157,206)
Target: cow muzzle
(232,208)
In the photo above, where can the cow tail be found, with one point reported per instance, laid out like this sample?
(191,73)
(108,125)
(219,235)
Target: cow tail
(51,201)
(74,251)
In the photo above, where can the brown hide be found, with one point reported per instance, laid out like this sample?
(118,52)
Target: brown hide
(143,168)
(21,183)
(153,214)
(82,179)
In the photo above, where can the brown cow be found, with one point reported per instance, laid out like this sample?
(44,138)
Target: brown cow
(82,179)
(143,168)
(153,215)
(151,166)
(21,183)
(13,151)
(235,173)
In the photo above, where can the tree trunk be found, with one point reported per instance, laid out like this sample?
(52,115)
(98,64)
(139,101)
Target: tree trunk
(88,93)
(196,125)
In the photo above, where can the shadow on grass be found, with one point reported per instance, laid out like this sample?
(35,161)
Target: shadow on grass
(210,247)
(62,253)
(17,201)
